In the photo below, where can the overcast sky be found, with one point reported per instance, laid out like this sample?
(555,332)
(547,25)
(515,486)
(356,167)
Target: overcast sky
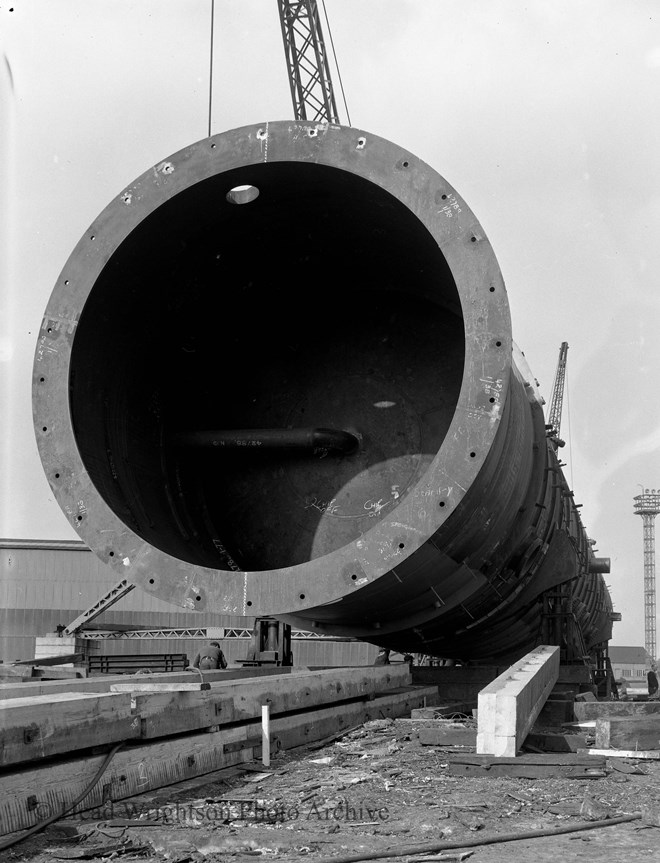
(544,115)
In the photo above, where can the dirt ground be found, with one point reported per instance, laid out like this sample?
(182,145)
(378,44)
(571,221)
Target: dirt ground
(375,789)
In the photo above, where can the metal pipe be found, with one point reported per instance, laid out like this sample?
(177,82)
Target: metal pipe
(451,521)
(319,441)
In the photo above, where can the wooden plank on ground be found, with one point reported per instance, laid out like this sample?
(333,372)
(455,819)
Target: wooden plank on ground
(546,766)
(45,725)
(103,683)
(628,732)
(508,706)
(241,700)
(29,795)
(177,708)
(645,754)
(595,709)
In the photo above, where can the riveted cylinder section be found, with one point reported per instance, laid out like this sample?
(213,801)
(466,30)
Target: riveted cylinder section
(275,377)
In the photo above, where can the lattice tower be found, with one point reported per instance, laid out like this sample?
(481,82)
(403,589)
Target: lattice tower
(647,506)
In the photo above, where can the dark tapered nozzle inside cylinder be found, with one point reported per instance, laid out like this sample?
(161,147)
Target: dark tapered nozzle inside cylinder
(313,440)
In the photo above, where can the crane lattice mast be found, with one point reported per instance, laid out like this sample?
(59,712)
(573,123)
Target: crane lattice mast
(307,62)
(647,505)
(557,401)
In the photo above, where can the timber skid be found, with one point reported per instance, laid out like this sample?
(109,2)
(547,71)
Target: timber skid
(173,727)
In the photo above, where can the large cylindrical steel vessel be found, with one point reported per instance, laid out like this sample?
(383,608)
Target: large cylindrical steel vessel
(276,376)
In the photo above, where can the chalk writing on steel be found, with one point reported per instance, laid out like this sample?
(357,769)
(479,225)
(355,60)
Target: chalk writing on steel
(452,206)
(493,388)
(374,507)
(328,507)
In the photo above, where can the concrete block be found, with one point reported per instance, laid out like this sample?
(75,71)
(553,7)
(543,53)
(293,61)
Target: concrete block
(54,645)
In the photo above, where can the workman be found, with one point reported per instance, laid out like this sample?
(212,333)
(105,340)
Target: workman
(383,657)
(210,657)
(652,680)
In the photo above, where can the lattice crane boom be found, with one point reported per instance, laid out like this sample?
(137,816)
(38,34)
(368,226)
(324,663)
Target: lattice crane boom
(557,401)
(307,61)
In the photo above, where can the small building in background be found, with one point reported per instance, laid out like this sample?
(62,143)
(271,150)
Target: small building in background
(630,664)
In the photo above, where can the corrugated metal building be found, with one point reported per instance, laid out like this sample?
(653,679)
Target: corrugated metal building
(46,583)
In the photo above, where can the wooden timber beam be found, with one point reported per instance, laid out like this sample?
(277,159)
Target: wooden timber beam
(591,710)
(29,794)
(508,707)
(71,722)
(103,682)
(628,732)
(44,725)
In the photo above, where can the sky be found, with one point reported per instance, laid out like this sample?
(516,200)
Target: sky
(542,114)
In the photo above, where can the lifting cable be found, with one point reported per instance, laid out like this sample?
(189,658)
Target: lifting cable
(211,66)
(334,54)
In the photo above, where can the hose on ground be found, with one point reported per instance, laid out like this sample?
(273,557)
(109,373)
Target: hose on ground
(42,824)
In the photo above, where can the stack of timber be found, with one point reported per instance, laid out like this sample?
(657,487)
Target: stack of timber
(173,729)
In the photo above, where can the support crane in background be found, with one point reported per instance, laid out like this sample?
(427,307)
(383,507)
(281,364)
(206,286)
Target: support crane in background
(553,424)
(307,61)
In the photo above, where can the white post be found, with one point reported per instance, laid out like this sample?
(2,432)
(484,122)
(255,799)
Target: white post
(265,734)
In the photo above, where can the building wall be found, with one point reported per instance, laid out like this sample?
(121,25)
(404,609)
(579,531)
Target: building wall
(629,671)
(46,584)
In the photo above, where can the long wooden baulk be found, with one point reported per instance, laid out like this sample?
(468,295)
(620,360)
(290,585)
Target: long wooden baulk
(45,725)
(169,737)
(29,795)
(102,683)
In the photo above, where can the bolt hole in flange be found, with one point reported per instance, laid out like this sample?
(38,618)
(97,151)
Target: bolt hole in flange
(244,194)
